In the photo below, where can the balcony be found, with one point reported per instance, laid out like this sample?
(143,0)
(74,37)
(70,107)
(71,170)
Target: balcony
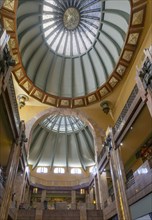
(140,185)
(81,211)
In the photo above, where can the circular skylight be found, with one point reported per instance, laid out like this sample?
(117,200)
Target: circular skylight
(70,27)
(63,123)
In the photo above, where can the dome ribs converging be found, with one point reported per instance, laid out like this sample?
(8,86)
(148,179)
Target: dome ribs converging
(59,40)
(41,151)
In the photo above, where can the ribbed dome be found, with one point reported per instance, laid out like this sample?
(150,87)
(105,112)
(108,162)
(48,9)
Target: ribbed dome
(70,48)
(63,123)
(62,141)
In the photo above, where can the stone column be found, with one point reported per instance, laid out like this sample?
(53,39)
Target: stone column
(9,183)
(27,194)
(73,199)
(24,186)
(91,195)
(104,187)
(97,197)
(43,195)
(117,174)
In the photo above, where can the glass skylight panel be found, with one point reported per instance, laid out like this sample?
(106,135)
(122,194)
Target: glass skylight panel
(63,124)
(65,19)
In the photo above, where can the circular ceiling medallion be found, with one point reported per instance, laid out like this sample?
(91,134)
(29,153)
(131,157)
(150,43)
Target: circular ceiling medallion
(71,18)
(70,28)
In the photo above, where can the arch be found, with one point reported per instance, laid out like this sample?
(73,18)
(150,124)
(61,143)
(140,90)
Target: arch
(97,132)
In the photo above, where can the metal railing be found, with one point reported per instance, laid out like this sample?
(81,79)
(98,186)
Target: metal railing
(141,172)
(130,182)
(119,123)
(14,105)
(60,206)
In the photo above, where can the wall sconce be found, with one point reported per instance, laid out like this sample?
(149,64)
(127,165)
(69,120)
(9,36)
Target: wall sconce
(82,191)
(106,108)
(35,190)
(22,99)
(94,202)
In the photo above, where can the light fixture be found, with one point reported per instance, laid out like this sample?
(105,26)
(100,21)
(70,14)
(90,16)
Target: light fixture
(82,191)
(107,108)
(22,99)
(35,190)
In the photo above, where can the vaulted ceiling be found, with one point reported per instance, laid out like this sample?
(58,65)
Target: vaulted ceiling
(62,141)
(74,53)
(70,54)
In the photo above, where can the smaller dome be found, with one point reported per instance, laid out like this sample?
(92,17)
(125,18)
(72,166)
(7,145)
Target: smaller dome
(62,141)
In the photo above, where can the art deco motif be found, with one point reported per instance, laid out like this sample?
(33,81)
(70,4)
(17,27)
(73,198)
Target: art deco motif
(113,81)
(127,55)
(133,38)
(9,4)
(138,17)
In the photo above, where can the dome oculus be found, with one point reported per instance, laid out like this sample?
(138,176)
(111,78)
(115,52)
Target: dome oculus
(71,18)
(71,27)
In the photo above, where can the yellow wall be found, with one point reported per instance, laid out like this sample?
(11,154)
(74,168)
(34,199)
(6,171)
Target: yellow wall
(29,111)
(129,82)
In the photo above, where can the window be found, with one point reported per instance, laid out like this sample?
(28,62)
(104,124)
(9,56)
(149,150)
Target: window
(42,170)
(76,171)
(93,170)
(59,170)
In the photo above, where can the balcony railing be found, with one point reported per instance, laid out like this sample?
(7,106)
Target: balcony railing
(120,122)
(130,182)
(140,185)
(59,206)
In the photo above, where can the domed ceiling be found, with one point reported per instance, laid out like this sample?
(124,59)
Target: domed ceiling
(62,141)
(70,48)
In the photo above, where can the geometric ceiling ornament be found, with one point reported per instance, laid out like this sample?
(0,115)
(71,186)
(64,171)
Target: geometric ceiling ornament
(133,38)
(9,4)
(9,24)
(71,51)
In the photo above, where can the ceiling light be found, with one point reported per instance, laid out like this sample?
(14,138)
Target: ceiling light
(121,144)
(107,108)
